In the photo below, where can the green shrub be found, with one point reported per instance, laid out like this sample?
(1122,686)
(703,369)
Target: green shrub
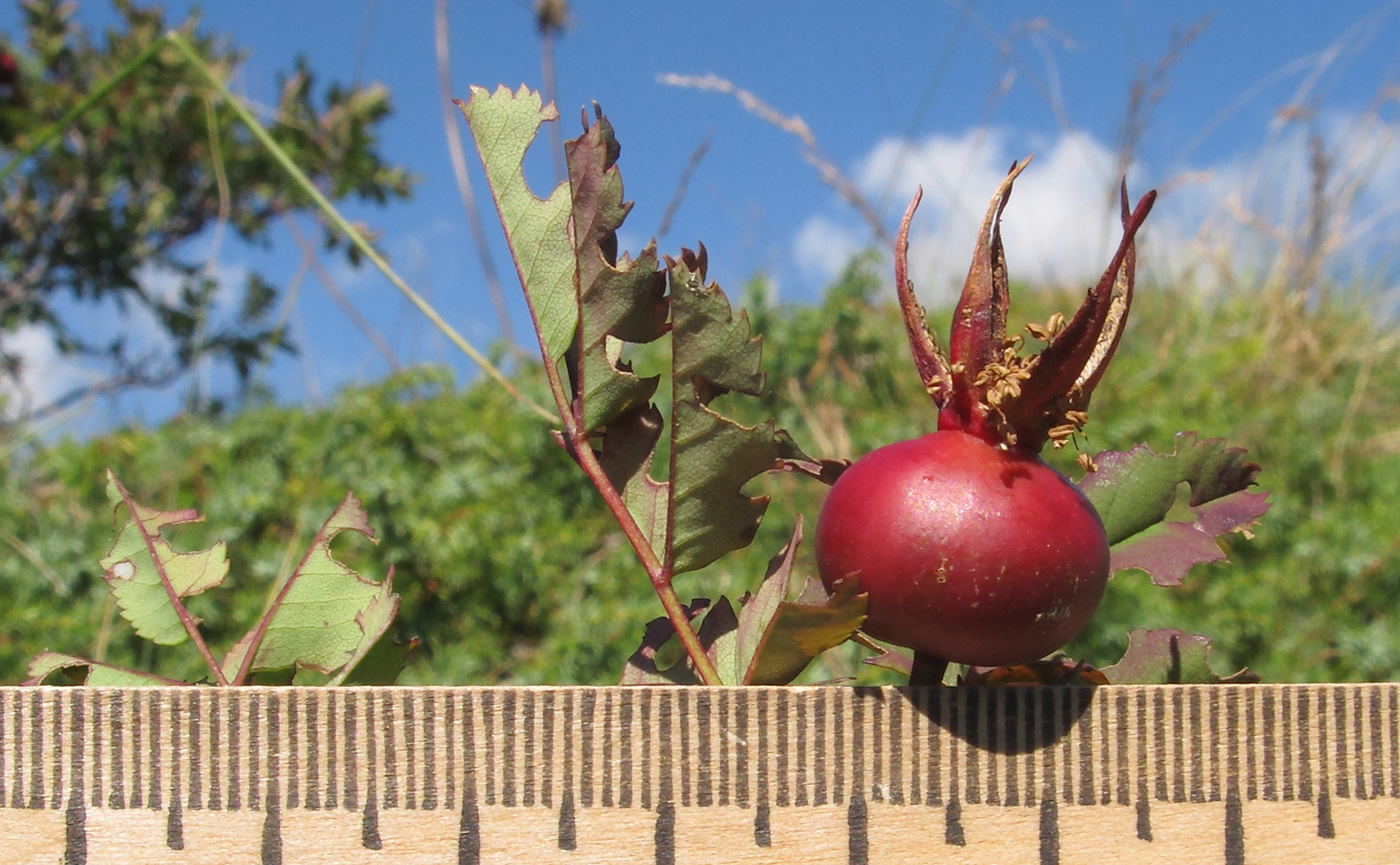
(511,570)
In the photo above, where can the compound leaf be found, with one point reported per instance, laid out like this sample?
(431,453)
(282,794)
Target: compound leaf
(147,577)
(1134,492)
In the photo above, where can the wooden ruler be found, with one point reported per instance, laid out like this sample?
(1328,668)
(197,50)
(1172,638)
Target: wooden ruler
(1180,774)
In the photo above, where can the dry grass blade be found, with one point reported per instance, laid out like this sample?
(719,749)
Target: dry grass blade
(363,326)
(464,182)
(683,184)
(552,19)
(812,152)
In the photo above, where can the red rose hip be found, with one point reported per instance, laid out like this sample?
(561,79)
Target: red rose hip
(968,545)
(968,552)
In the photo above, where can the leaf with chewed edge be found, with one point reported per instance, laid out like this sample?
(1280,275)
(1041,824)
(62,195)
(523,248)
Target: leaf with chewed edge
(327,615)
(1133,493)
(99,675)
(620,300)
(642,667)
(135,574)
(503,124)
(712,457)
(1169,657)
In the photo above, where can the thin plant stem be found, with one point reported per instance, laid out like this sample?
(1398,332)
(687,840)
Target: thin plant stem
(551,17)
(450,120)
(187,620)
(827,170)
(96,96)
(376,339)
(661,576)
(43,567)
(343,225)
(927,670)
(683,184)
(575,441)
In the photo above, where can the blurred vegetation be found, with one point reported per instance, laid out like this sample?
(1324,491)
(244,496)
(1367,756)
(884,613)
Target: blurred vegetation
(511,570)
(100,222)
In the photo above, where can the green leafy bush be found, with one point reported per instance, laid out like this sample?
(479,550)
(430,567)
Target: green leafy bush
(511,569)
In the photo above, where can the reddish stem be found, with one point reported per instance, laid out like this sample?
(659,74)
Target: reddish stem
(927,671)
(660,576)
(191,627)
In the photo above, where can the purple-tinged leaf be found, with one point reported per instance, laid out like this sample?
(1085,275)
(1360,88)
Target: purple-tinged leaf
(642,669)
(1170,549)
(620,300)
(801,631)
(1169,657)
(756,611)
(778,638)
(1134,492)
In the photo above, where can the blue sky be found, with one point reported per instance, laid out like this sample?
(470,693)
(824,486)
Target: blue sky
(896,94)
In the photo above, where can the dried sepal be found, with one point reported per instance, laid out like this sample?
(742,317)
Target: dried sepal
(928,358)
(1054,400)
(978,336)
(984,385)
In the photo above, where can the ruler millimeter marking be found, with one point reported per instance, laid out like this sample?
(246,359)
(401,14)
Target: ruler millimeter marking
(851,775)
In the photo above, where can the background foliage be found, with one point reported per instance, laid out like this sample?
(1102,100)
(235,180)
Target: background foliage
(511,570)
(509,566)
(102,218)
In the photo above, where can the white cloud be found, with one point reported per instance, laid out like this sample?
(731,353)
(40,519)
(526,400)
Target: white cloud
(1061,224)
(45,375)
(823,247)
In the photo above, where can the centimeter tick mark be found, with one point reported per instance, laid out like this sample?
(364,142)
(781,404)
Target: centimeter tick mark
(768,752)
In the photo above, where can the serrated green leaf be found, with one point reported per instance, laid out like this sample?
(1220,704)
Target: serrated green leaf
(99,675)
(712,457)
(503,125)
(1133,491)
(326,615)
(134,574)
